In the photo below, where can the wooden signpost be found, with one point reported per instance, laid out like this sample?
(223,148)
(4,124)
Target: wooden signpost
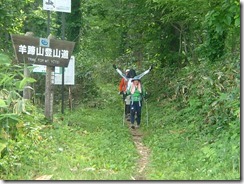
(42,51)
(31,50)
(46,51)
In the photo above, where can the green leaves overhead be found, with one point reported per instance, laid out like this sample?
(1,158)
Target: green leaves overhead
(224,17)
(165,32)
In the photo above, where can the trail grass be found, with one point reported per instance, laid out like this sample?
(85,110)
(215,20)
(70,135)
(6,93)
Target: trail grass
(195,134)
(90,144)
(180,152)
(98,148)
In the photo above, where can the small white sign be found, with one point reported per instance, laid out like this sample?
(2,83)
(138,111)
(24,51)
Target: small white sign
(57,5)
(39,68)
(69,74)
(42,69)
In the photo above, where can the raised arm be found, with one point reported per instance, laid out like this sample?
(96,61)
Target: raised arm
(120,72)
(144,73)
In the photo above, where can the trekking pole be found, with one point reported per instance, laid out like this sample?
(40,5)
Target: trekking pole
(145,100)
(124,117)
(146,111)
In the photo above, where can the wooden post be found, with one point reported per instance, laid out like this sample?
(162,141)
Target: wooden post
(27,91)
(63,70)
(70,98)
(49,90)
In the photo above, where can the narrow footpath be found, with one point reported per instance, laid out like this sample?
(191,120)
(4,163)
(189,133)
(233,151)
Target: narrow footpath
(143,151)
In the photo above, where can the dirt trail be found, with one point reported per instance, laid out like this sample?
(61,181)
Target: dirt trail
(144,154)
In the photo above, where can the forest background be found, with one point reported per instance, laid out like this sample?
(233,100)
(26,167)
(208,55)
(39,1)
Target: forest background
(194,87)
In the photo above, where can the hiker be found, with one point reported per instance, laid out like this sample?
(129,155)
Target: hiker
(122,91)
(123,84)
(137,94)
(131,74)
(128,78)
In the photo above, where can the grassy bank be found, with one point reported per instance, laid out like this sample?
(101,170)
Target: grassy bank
(194,131)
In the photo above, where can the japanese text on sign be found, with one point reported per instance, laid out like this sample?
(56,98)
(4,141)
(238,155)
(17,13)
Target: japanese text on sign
(40,51)
(29,50)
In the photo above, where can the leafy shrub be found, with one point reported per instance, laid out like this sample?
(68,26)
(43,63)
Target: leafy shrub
(195,123)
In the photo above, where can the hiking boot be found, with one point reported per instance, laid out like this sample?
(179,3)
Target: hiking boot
(128,117)
(132,126)
(137,126)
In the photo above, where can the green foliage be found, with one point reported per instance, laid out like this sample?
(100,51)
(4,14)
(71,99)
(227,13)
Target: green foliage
(193,133)
(86,89)
(11,20)
(23,148)
(12,105)
(91,141)
(222,21)
(194,129)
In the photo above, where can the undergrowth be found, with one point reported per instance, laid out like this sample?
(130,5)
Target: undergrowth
(194,131)
(91,143)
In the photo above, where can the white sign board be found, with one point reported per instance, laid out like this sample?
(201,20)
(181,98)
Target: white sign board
(69,74)
(39,68)
(57,5)
(42,69)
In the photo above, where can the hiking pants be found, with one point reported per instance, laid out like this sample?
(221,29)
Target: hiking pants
(127,109)
(127,105)
(135,108)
